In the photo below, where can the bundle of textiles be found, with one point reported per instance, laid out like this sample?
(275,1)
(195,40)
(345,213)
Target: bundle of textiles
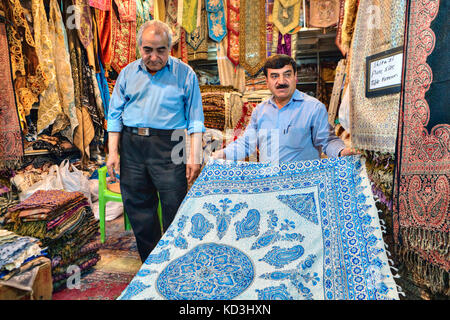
(53,144)
(214,110)
(5,204)
(255,83)
(64,223)
(17,253)
(25,177)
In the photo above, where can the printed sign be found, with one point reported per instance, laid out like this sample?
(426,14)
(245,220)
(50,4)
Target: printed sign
(384,72)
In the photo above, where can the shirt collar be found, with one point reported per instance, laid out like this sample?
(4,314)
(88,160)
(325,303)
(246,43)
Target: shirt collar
(297,96)
(169,64)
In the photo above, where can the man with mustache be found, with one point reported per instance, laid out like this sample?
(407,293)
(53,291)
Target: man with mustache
(290,126)
(155,99)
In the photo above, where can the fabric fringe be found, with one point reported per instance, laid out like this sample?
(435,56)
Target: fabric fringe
(429,240)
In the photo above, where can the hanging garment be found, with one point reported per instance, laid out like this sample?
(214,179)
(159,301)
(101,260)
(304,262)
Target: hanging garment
(123,38)
(63,71)
(269,26)
(104,5)
(261,231)
(422,179)
(197,40)
(323,13)
(171,18)
(374,120)
(216,19)
(50,109)
(189,20)
(252,40)
(346,24)
(337,91)
(286,14)
(229,74)
(27,71)
(126,9)
(84,30)
(11,144)
(104,25)
(232,8)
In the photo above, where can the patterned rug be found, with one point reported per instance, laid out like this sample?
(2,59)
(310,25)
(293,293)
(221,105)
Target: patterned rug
(294,231)
(118,265)
(422,180)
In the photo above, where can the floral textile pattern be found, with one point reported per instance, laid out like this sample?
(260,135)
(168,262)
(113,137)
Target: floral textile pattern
(216,19)
(240,233)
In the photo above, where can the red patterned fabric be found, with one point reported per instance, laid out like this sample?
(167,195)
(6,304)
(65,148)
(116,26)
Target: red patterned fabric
(422,181)
(127,10)
(11,146)
(233,31)
(104,5)
(244,120)
(123,42)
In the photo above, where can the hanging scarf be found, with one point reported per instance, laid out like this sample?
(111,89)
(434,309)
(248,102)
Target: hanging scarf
(216,19)
(104,21)
(126,9)
(189,21)
(62,67)
(252,40)
(85,28)
(233,31)
(323,13)
(171,18)
(198,40)
(286,14)
(123,41)
(104,5)
(11,145)
(50,111)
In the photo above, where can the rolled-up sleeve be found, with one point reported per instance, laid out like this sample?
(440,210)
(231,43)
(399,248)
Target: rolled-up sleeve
(323,134)
(194,106)
(116,105)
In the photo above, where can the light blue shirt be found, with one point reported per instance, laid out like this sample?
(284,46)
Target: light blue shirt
(169,99)
(298,131)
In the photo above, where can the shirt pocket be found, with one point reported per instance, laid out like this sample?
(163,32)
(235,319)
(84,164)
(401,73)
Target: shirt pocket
(297,138)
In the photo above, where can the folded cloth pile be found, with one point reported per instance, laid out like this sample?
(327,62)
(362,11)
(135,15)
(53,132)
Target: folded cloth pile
(214,109)
(17,253)
(64,223)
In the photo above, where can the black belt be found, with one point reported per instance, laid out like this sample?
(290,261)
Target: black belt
(148,131)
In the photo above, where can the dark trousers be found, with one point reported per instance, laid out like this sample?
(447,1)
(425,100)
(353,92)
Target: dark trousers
(146,168)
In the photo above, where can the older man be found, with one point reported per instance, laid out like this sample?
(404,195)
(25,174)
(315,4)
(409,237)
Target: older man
(154,99)
(290,126)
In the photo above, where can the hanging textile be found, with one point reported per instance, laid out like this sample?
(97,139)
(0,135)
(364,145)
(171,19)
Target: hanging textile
(252,231)
(323,13)
(104,5)
(171,18)
(50,110)
(233,31)
(85,28)
(126,9)
(216,19)
(27,72)
(123,39)
(333,108)
(229,74)
(11,144)
(269,26)
(189,21)
(346,24)
(197,40)
(62,67)
(104,23)
(252,40)
(286,14)
(374,120)
(422,179)
(159,10)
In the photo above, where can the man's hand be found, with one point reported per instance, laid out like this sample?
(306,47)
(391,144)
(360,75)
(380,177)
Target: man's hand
(348,152)
(192,172)
(113,163)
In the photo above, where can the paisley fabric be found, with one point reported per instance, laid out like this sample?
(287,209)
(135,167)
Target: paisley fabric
(10,133)
(252,40)
(286,14)
(373,121)
(422,178)
(300,230)
(216,19)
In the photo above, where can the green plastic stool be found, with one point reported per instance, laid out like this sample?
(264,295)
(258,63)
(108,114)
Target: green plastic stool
(105,195)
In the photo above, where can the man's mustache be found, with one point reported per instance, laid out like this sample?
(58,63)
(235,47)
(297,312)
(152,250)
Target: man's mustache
(282,86)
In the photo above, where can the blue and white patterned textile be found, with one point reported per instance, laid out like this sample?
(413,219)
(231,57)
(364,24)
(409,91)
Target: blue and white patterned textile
(298,230)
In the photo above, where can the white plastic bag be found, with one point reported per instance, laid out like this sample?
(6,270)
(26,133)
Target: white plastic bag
(52,181)
(74,180)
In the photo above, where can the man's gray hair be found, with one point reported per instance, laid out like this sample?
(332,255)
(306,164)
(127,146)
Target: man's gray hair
(159,27)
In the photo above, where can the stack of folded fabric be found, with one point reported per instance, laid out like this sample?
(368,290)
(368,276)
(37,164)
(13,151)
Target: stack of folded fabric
(17,254)
(214,109)
(64,223)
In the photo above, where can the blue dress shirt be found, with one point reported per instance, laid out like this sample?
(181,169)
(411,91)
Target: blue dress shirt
(298,131)
(169,99)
